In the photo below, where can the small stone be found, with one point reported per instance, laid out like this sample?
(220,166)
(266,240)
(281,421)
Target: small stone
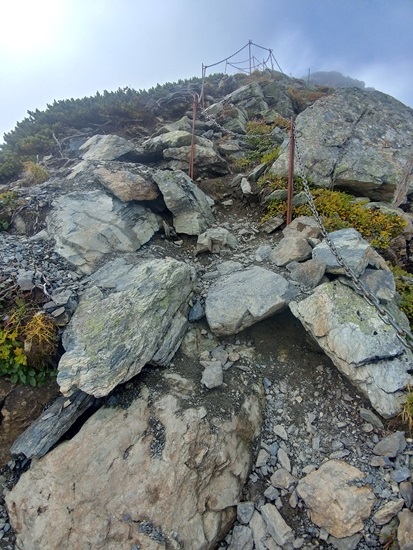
(293,500)
(244,512)
(273,449)
(391,445)
(241,538)
(212,377)
(281,432)
(262,458)
(401,474)
(298,543)
(347,543)
(367,427)
(284,460)
(371,418)
(282,479)
(388,511)
(406,492)
(259,530)
(405,530)
(271,493)
(233,356)
(277,527)
(381,462)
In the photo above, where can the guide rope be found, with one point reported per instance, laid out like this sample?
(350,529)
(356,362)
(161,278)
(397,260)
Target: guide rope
(403,334)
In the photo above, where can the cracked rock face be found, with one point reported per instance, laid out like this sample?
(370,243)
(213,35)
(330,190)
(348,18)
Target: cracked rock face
(158,474)
(357,140)
(364,348)
(133,314)
(89,225)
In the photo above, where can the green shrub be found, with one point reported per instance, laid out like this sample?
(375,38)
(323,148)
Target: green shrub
(404,287)
(28,344)
(8,202)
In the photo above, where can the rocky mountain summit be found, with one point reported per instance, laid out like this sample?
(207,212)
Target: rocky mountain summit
(222,384)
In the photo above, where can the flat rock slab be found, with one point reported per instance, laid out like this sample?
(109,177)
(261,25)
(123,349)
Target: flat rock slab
(364,348)
(151,472)
(89,225)
(106,147)
(242,298)
(133,314)
(334,500)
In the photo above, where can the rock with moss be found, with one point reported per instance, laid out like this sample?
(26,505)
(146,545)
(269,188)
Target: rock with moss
(133,313)
(356,140)
(89,225)
(361,345)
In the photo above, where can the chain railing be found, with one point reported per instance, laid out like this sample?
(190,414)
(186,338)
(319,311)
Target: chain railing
(403,334)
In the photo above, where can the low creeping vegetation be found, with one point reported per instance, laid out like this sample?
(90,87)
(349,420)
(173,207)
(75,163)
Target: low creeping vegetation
(407,412)
(340,210)
(261,142)
(28,344)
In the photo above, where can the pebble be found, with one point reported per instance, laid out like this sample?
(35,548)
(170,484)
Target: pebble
(281,432)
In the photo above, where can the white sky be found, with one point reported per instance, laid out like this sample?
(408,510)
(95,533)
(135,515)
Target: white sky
(58,49)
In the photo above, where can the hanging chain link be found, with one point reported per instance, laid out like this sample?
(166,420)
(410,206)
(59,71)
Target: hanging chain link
(404,335)
(217,124)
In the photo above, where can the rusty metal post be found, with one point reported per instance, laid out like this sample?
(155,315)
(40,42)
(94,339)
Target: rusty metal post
(290,175)
(192,156)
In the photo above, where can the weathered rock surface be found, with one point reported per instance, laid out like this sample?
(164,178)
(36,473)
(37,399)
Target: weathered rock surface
(156,470)
(357,140)
(405,530)
(291,249)
(127,185)
(105,147)
(334,500)
(206,159)
(189,205)
(89,225)
(243,298)
(359,343)
(133,314)
(355,251)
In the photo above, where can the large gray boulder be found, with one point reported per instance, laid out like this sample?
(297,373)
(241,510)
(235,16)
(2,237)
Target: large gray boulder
(206,159)
(242,298)
(154,472)
(189,205)
(364,348)
(106,147)
(174,139)
(357,140)
(89,225)
(134,314)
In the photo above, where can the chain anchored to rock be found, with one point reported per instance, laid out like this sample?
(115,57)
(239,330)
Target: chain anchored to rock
(403,334)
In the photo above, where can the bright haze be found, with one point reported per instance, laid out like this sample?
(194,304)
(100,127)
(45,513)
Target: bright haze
(59,49)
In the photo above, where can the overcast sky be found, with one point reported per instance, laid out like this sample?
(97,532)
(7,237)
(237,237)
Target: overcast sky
(58,49)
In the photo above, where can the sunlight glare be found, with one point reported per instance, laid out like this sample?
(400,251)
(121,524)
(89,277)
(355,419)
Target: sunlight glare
(29,27)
